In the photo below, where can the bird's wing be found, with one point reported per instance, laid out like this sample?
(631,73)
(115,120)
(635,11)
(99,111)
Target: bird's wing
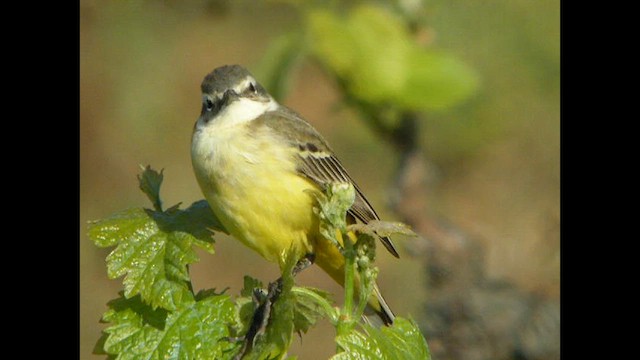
(318,162)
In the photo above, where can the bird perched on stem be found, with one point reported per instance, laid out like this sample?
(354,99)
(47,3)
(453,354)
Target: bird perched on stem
(257,163)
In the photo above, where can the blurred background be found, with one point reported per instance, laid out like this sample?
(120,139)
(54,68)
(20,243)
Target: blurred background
(490,174)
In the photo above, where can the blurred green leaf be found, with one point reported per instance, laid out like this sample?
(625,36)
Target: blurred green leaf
(368,49)
(331,41)
(437,81)
(196,331)
(276,67)
(383,45)
(378,61)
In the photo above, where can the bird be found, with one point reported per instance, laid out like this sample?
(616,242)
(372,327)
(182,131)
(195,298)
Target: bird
(257,162)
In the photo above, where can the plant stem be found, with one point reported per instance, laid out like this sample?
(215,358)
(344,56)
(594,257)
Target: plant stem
(346,320)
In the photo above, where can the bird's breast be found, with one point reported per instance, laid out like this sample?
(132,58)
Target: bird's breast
(250,181)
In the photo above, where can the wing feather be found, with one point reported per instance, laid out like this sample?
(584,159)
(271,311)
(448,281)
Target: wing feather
(318,163)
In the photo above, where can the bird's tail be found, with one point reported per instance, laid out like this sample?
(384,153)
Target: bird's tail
(378,312)
(329,258)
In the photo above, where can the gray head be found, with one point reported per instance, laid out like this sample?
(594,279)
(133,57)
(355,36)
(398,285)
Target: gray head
(231,96)
(227,84)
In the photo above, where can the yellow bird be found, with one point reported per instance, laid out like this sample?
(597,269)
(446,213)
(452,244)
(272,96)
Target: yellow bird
(255,159)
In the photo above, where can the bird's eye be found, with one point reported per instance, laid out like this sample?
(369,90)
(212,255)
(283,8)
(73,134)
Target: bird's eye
(208,104)
(251,89)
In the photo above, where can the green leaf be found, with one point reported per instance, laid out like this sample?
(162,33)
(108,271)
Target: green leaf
(196,331)
(378,62)
(331,42)
(246,305)
(153,250)
(402,340)
(310,305)
(357,346)
(406,339)
(437,81)
(295,310)
(149,182)
(381,69)
(300,306)
(276,339)
(249,285)
(277,66)
(368,48)
(119,227)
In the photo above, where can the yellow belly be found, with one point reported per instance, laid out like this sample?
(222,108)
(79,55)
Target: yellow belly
(253,188)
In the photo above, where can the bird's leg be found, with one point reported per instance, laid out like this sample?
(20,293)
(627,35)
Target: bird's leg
(261,315)
(302,264)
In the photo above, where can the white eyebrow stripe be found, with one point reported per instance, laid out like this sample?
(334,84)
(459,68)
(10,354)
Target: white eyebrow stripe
(244,84)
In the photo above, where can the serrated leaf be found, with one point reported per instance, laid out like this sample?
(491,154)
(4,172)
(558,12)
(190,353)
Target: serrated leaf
(153,250)
(249,285)
(308,307)
(119,227)
(357,346)
(406,339)
(149,182)
(402,340)
(197,331)
(197,220)
(245,308)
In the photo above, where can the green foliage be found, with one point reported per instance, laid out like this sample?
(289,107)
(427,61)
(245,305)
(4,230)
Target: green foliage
(382,63)
(402,340)
(154,247)
(158,316)
(438,81)
(275,69)
(197,330)
(309,304)
(371,51)
(150,181)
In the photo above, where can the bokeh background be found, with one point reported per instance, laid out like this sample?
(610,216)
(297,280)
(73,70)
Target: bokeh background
(494,159)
